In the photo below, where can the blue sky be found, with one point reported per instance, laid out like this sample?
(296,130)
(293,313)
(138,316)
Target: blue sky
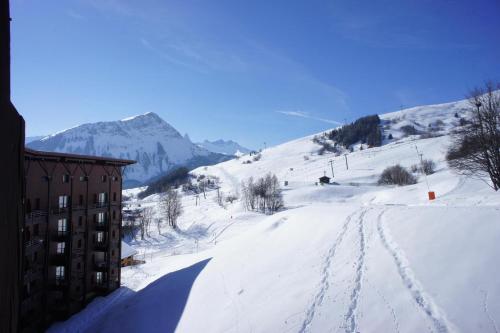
(253,71)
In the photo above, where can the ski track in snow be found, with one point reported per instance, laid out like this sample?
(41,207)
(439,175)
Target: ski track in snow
(487,312)
(351,316)
(326,276)
(422,298)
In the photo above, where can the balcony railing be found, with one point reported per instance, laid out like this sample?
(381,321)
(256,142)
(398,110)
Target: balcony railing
(58,259)
(101,226)
(101,246)
(58,283)
(60,235)
(33,244)
(100,204)
(101,286)
(35,214)
(100,266)
(60,210)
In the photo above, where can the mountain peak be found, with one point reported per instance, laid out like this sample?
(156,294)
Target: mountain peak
(147,115)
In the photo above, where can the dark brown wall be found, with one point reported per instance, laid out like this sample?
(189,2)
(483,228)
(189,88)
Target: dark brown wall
(44,179)
(11,185)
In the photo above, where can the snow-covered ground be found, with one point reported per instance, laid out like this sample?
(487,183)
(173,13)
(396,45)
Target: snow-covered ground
(353,257)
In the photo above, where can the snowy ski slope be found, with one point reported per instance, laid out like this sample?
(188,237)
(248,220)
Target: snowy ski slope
(354,257)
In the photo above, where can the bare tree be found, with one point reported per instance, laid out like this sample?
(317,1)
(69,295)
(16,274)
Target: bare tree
(220,197)
(145,219)
(247,189)
(159,223)
(263,194)
(475,150)
(171,207)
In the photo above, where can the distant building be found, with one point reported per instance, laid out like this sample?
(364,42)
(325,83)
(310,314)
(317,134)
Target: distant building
(71,235)
(324,180)
(127,255)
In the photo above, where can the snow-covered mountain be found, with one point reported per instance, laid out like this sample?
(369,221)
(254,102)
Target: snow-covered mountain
(352,257)
(228,147)
(153,143)
(29,139)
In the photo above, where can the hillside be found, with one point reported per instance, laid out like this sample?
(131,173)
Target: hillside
(153,143)
(353,257)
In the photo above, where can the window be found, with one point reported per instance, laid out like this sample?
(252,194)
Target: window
(114,215)
(104,178)
(114,196)
(36,230)
(115,179)
(103,198)
(79,244)
(83,178)
(37,203)
(98,278)
(80,199)
(65,178)
(28,206)
(101,218)
(80,221)
(100,237)
(113,233)
(112,253)
(59,273)
(78,265)
(35,256)
(63,201)
(62,226)
(60,247)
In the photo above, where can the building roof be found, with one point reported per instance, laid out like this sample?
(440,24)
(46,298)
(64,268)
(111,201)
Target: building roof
(324,177)
(127,251)
(64,157)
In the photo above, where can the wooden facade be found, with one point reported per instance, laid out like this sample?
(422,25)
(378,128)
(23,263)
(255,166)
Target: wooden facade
(11,186)
(71,234)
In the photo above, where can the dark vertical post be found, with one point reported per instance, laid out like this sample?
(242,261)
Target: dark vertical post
(11,186)
(86,239)
(108,236)
(120,230)
(5,47)
(47,245)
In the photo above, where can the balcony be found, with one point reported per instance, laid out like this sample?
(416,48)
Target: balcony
(60,210)
(77,252)
(101,286)
(58,284)
(101,246)
(58,259)
(60,236)
(78,230)
(100,204)
(101,226)
(32,245)
(33,271)
(36,216)
(78,207)
(100,266)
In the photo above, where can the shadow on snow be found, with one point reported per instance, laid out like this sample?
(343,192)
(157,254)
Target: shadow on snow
(156,308)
